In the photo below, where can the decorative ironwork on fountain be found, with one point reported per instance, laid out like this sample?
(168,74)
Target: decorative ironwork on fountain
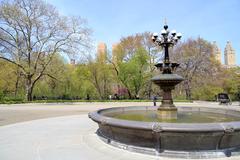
(167,80)
(166,40)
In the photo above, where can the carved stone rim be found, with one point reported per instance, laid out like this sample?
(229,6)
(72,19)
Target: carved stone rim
(98,116)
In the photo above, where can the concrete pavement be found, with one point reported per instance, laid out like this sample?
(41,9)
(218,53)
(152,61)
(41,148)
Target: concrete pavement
(62,138)
(24,112)
(14,113)
(67,137)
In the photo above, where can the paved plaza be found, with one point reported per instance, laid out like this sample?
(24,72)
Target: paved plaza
(24,112)
(64,132)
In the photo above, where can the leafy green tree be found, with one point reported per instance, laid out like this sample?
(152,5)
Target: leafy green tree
(7,78)
(125,62)
(230,81)
(55,75)
(99,74)
(132,73)
(225,80)
(82,79)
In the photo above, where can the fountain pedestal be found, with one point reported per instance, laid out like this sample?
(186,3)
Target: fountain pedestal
(167,82)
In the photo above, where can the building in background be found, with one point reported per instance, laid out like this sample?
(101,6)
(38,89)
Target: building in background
(229,55)
(217,52)
(102,52)
(114,52)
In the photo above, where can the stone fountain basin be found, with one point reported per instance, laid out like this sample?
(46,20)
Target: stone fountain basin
(222,136)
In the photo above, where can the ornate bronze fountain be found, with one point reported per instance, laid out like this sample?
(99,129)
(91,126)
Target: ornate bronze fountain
(167,80)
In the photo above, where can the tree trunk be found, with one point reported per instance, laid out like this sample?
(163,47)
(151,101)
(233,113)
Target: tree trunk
(129,94)
(188,94)
(29,88)
(187,90)
(149,90)
(17,83)
(29,95)
(105,87)
(101,96)
(16,87)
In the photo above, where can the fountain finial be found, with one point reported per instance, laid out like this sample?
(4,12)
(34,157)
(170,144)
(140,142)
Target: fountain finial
(165,24)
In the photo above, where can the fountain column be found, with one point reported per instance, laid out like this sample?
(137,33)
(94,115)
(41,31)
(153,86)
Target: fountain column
(167,100)
(166,80)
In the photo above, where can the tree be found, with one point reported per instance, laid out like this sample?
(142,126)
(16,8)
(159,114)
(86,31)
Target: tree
(131,73)
(154,56)
(196,63)
(127,64)
(99,74)
(49,85)
(229,80)
(7,78)
(137,68)
(32,32)
(82,80)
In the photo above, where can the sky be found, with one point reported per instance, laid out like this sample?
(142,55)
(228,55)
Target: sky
(110,20)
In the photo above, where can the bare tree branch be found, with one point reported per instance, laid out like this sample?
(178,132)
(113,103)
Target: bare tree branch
(32,33)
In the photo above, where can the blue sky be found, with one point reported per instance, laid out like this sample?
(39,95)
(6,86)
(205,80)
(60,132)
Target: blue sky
(213,20)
